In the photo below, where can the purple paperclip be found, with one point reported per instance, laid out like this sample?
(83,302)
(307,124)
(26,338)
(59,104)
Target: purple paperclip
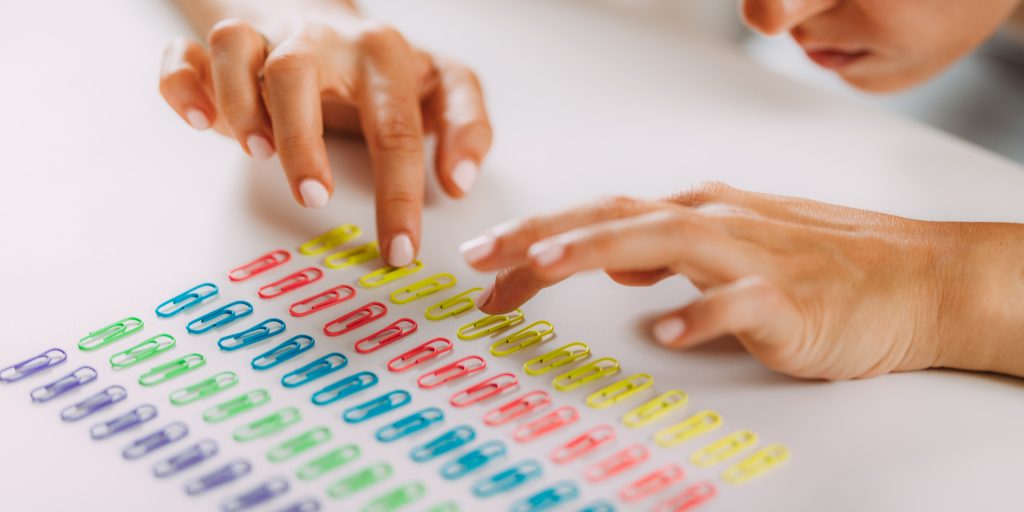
(226,474)
(136,416)
(99,401)
(32,365)
(185,459)
(83,375)
(257,496)
(151,442)
(304,505)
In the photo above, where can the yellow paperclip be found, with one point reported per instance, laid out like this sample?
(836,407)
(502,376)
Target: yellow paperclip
(619,391)
(757,464)
(723,448)
(522,338)
(489,325)
(383,276)
(561,356)
(452,306)
(353,256)
(654,409)
(700,423)
(428,286)
(594,370)
(331,239)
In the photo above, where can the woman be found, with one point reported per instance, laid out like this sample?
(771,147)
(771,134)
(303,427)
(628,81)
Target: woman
(812,290)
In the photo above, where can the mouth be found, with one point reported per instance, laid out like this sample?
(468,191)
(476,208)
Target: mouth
(834,58)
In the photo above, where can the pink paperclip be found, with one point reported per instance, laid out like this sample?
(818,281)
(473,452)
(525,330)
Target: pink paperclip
(621,461)
(420,354)
(651,483)
(553,421)
(260,265)
(356,318)
(583,444)
(322,300)
(397,330)
(291,282)
(484,390)
(693,495)
(447,373)
(517,407)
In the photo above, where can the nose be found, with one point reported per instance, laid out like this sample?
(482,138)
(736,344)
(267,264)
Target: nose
(772,17)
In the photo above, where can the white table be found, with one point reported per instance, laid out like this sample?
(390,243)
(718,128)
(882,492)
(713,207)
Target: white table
(110,204)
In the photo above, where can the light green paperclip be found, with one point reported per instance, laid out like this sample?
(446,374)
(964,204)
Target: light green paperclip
(143,351)
(354,256)
(299,444)
(360,480)
(108,334)
(619,391)
(204,388)
(448,506)
(757,464)
(724,448)
(331,460)
(590,372)
(168,371)
(525,337)
(452,306)
(383,276)
(267,425)
(236,406)
(418,290)
(391,501)
(560,356)
(331,239)
(489,325)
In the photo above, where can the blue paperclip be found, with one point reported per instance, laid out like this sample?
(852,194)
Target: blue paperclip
(474,460)
(97,402)
(410,424)
(303,505)
(187,300)
(283,352)
(380,405)
(345,388)
(83,375)
(151,442)
(548,498)
(599,506)
(223,475)
(220,317)
(257,496)
(185,459)
(324,366)
(132,418)
(450,440)
(32,365)
(260,332)
(507,479)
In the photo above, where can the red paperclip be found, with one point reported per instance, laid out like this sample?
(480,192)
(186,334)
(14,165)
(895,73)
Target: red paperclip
(322,300)
(484,390)
(583,444)
(420,354)
(553,421)
(517,407)
(356,318)
(260,265)
(651,483)
(397,330)
(291,282)
(621,461)
(450,372)
(693,495)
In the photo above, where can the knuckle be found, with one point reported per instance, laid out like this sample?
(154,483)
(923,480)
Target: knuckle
(619,205)
(397,133)
(376,36)
(227,30)
(288,62)
(400,201)
(298,143)
(704,192)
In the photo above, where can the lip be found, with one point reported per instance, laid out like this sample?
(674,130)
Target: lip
(835,58)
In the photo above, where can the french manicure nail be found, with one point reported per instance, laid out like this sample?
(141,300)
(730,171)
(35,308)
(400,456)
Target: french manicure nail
(546,253)
(668,330)
(314,194)
(197,119)
(484,297)
(464,175)
(401,251)
(477,249)
(259,147)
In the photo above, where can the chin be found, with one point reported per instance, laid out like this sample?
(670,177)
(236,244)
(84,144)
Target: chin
(880,83)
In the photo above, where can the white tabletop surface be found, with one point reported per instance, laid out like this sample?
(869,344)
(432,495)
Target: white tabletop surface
(109,204)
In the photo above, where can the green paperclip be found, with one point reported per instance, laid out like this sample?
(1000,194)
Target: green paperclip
(383,276)
(267,425)
(168,371)
(110,333)
(354,256)
(489,325)
(236,406)
(590,372)
(522,338)
(418,290)
(452,306)
(391,501)
(331,460)
(204,388)
(143,351)
(299,444)
(331,239)
(360,480)
(561,356)
(448,506)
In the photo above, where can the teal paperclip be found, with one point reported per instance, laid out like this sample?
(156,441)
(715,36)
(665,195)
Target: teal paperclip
(507,479)
(286,350)
(599,506)
(145,350)
(108,334)
(236,406)
(474,460)
(260,332)
(187,300)
(551,497)
(267,425)
(410,424)
(204,388)
(450,440)
(168,371)
(360,480)
(329,461)
(396,498)
(220,317)
(324,366)
(345,388)
(380,405)
(299,444)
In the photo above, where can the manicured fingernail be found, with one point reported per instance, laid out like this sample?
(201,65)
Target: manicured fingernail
(504,228)
(485,296)
(400,253)
(546,253)
(668,330)
(197,119)
(464,175)
(314,194)
(259,147)
(477,249)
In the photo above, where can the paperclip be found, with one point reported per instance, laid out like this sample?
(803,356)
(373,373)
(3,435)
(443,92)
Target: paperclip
(130,419)
(724,448)
(299,444)
(147,349)
(619,391)
(409,425)
(267,425)
(303,505)
(700,423)
(97,402)
(33,365)
(420,354)
(168,371)
(345,388)
(187,300)
(291,282)
(270,260)
(561,356)
(225,474)
(185,459)
(383,276)
(453,306)
(518,407)
(757,464)
(583,444)
(693,496)
(380,405)
(507,479)
(551,497)
(397,498)
(340,235)
(484,390)
(622,460)
(418,290)
(106,335)
(256,496)
(448,506)
(397,330)
(444,443)
(288,349)
(204,388)
(597,369)
(83,375)
(151,442)
(598,506)
(651,483)
(322,300)
(353,256)
(220,317)
(449,372)
(359,480)
(329,461)
(489,325)
(324,366)
(356,318)
(523,338)
(236,406)
(654,409)
(256,334)
(473,461)
(546,424)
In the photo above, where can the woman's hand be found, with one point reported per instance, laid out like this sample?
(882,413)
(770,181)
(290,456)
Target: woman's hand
(810,289)
(275,74)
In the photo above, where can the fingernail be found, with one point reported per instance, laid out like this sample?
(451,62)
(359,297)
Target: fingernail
(314,194)
(546,253)
(400,253)
(259,147)
(197,119)
(484,297)
(668,330)
(477,249)
(504,228)
(464,175)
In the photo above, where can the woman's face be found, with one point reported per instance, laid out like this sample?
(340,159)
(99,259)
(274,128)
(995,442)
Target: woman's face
(881,45)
